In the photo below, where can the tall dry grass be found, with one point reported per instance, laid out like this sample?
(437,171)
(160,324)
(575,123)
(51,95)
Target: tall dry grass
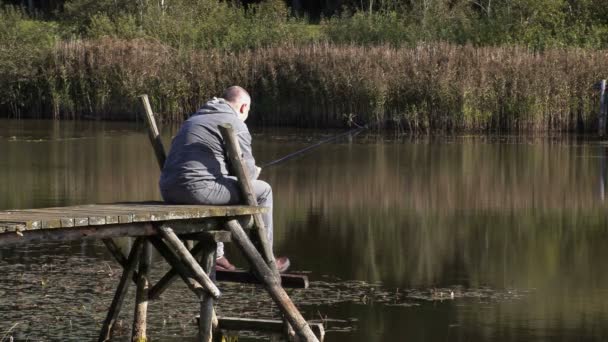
(429,87)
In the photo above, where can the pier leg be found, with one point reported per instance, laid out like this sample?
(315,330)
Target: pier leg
(187,259)
(121,291)
(141,296)
(603,109)
(171,275)
(278,294)
(118,256)
(177,265)
(206,317)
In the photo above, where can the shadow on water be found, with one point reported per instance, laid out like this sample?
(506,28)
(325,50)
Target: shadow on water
(434,239)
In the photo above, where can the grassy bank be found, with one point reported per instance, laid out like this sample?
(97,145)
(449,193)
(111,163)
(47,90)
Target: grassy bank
(427,87)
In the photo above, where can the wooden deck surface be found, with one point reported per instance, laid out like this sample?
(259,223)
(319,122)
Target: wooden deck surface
(111,214)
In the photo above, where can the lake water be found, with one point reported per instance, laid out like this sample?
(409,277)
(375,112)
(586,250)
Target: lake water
(462,238)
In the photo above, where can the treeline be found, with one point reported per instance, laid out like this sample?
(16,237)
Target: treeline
(418,65)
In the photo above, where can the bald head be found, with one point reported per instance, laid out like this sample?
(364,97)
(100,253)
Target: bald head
(239,100)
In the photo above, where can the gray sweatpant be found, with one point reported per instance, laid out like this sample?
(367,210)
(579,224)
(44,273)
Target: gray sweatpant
(221,192)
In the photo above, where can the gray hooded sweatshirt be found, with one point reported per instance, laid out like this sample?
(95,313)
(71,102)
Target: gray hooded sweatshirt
(197,152)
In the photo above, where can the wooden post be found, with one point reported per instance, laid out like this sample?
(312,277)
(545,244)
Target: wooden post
(120,258)
(141,296)
(603,109)
(206,301)
(278,294)
(188,260)
(177,265)
(121,291)
(153,133)
(235,156)
(170,276)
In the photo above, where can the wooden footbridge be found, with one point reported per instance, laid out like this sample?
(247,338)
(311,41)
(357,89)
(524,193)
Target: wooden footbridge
(171,230)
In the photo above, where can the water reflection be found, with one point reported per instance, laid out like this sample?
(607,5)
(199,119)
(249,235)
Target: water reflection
(517,219)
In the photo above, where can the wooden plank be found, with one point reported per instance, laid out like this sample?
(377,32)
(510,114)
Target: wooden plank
(110,214)
(78,212)
(264,325)
(215,235)
(28,222)
(66,220)
(294,281)
(32,220)
(7,227)
(94,232)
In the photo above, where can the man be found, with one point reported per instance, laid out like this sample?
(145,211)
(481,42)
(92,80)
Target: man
(195,171)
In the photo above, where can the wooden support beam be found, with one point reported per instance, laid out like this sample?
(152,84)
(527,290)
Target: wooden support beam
(263,325)
(141,295)
(164,282)
(93,232)
(187,259)
(120,258)
(244,180)
(294,281)
(177,265)
(206,301)
(153,132)
(278,294)
(121,291)
(603,109)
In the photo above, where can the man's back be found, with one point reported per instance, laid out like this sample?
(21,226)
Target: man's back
(197,151)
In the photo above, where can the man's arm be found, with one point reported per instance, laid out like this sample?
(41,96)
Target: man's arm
(245,143)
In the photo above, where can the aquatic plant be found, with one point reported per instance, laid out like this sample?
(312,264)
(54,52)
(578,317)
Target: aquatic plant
(428,87)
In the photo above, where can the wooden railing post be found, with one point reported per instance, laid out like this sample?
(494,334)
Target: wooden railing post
(153,133)
(241,173)
(603,109)
(121,291)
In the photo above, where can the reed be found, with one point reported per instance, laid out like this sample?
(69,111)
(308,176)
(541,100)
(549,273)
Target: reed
(428,87)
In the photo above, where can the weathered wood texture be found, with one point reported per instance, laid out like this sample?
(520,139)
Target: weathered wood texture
(121,291)
(270,281)
(153,132)
(164,282)
(206,301)
(236,161)
(118,256)
(603,109)
(108,214)
(263,325)
(294,281)
(141,296)
(188,260)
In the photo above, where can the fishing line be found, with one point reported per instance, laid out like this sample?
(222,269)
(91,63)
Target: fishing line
(308,148)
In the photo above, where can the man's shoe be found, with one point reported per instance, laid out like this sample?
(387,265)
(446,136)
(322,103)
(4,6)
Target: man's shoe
(222,264)
(283,264)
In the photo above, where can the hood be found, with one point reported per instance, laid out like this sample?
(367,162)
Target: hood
(215,106)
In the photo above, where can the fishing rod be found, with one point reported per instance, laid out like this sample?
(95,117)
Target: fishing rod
(354,131)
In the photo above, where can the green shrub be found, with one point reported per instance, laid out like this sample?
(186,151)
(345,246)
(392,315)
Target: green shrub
(24,45)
